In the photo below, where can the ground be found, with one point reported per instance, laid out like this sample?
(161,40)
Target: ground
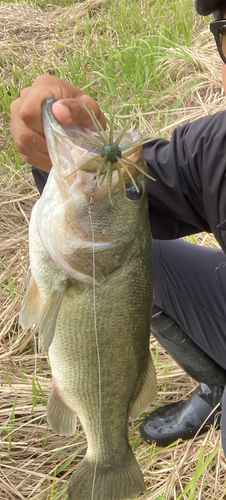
(34,462)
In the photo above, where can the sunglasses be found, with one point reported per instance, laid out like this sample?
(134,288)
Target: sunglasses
(218,28)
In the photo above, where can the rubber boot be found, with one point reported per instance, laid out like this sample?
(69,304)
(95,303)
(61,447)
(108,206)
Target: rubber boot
(184,418)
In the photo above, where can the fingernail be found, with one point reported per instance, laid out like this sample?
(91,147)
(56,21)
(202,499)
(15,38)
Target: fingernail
(65,111)
(62,112)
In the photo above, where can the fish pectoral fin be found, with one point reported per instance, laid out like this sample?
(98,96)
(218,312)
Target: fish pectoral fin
(60,417)
(147,393)
(48,318)
(31,305)
(101,482)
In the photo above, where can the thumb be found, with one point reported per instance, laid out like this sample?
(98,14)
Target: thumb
(72,111)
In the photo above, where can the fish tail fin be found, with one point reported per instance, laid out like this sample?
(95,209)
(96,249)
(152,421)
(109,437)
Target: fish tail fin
(106,481)
(60,417)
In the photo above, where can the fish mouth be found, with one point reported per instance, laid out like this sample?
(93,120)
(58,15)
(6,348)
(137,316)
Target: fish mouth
(107,159)
(82,204)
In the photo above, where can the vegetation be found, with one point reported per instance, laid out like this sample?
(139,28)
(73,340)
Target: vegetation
(156,58)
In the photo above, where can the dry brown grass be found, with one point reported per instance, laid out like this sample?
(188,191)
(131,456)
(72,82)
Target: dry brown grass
(195,75)
(31,455)
(33,32)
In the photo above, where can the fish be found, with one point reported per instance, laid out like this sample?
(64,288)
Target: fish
(90,291)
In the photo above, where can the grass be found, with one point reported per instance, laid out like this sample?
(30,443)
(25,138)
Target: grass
(156,58)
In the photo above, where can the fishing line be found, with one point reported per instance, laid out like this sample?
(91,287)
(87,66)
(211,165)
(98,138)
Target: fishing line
(95,330)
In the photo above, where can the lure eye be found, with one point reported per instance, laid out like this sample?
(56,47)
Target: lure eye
(132,193)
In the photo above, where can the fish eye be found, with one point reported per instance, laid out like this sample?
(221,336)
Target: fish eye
(132,193)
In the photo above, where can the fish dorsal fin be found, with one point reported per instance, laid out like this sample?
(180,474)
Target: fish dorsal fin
(48,318)
(31,305)
(147,393)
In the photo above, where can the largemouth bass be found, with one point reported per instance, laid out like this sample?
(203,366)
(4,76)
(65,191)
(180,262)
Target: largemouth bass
(91,293)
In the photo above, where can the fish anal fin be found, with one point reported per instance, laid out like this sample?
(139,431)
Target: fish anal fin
(147,393)
(115,482)
(31,305)
(60,417)
(48,318)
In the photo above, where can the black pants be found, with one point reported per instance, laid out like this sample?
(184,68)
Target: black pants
(190,287)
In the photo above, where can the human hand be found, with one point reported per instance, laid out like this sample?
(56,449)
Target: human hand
(26,116)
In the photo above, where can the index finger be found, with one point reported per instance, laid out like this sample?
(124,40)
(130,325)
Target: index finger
(43,87)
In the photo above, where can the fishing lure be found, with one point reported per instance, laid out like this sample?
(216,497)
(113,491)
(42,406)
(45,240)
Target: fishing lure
(111,155)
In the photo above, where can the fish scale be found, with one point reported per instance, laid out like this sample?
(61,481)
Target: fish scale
(81,317)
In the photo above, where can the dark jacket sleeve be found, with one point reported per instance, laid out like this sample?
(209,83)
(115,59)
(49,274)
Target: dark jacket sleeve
(40,178)
(189,194)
